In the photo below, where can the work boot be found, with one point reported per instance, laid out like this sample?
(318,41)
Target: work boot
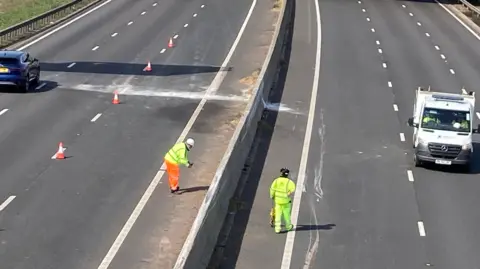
(289,228)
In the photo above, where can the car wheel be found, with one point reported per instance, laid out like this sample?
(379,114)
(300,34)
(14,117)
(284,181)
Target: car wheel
(26,86)
(37,79)
(416,161)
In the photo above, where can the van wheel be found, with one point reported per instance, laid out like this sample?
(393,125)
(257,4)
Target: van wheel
(416,161)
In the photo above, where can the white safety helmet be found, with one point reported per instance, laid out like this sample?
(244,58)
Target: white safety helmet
(190,142)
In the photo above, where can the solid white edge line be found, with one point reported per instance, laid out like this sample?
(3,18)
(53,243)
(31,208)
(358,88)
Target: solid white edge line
(6,109)
(410,175)
(288,250)
(219,77)
(6,202)
(478,115)
(402,137)
(63,26)
(459,20)
(71,65)
(96,117)
(421,228)
(395,107)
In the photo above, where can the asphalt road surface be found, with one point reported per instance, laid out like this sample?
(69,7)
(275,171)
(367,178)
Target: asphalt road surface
(68,213)
(364,205)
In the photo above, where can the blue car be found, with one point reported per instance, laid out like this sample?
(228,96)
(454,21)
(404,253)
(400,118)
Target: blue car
(19,69)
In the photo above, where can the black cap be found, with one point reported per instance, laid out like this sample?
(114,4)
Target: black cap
(285,172)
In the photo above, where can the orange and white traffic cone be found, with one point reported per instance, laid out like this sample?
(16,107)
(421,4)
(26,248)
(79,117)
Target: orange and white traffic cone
(170,43)
(148,68)
(115,100)
(60,153)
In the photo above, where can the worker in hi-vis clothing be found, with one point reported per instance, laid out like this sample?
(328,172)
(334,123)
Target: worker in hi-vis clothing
(175,157)
(280,191)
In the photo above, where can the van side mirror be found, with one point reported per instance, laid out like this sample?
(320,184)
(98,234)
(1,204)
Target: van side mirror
(411,123)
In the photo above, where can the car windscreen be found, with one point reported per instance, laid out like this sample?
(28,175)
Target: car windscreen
(8,61)
(446,120)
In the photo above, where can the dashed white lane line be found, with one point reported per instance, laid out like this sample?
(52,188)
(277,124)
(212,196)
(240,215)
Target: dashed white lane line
(451,71)
(71,65)
(389,84)
(404,6)
(464,91)
(175,36)
(359,2)
(114,34)
(8,201)
(427,34)
(443,56)
(143,13)
(130,23)
(437,47)
(202,6)
(384,65)
(3,111)
(195,15)
(363,10)
(96,117)
(368,19)
(380,51)
(419,24)
(41,86)
(402,137)
(373,30)
(395,107)
(421,228)
(154,4)
(378,42)
(478,115)
(163,50)
(410,175)
(95,48)
(186,25)
(411,14)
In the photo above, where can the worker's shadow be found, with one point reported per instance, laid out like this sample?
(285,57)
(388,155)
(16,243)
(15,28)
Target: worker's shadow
(314,227)
(193,189)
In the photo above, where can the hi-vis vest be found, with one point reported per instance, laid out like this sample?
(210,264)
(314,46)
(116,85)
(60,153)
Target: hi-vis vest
(178,154)
(280,190)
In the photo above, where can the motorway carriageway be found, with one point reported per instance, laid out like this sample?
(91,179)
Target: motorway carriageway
(73,213)
(363,204)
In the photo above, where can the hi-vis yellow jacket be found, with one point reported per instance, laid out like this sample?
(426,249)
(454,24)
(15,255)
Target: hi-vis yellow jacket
(281,189)
(178,154)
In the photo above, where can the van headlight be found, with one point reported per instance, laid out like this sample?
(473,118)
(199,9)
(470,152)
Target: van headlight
(467,146)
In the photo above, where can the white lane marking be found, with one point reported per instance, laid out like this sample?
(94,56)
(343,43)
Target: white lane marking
(395,107)
(427,34)
(379,50)
(3,111)
(359,2)
(63,25)
(71,65)
(402,137)
(195,15)
(478,115)
(202,6)
(6,202)
(464,91)
(288,251)
(459,20)
(175,36)
(419,24)
(451,71)
(219,77)
(368,19)
(389,84)
(143,13)
(96,117)
(404,6)
(384,65)
(373,30)
(363,10)
(114,34)
(378,42)
(130,23)
(437,47)
(41,86)
(154,4)
(185,26)
(163,50)
(421,228)
(443,56)
(95,48)
(411,15)
(410,175)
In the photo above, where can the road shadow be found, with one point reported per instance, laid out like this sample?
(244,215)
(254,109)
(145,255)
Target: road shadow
(193,189)
(329,226)
(227,256)
(43,86)
(113,68)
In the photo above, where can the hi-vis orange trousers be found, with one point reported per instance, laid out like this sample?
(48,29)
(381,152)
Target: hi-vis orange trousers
(173,172)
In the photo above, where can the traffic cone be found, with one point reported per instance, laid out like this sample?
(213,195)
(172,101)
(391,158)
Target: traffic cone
(59,155)
(115,100)
(148,68)
(170,43)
